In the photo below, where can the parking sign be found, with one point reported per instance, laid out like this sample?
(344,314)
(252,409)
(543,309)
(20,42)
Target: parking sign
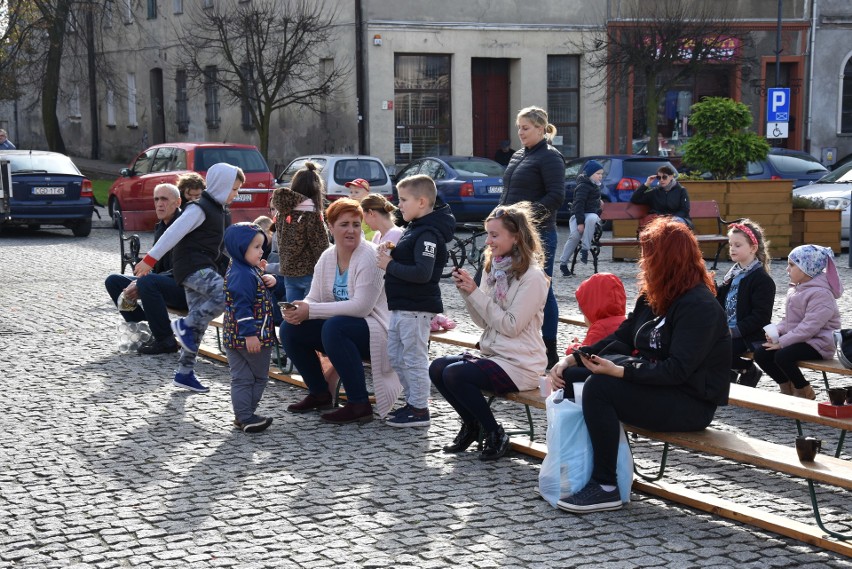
(778,104)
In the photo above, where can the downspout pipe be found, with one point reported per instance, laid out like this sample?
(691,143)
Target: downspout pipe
(814,7)
(359,76)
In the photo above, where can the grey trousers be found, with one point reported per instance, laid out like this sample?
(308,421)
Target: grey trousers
(249,374)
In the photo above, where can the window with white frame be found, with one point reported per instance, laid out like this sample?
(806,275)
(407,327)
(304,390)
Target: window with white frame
(211,97)
(206,3)
(128,11)
(177,6)
(846,98)
(182,101)
(109,13)
(110,107)
(74,103)
(131,100)
(152,9)
(563,102)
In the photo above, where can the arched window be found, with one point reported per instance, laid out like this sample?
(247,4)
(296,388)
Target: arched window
(846,98)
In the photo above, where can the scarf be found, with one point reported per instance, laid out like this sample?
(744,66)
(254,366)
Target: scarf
(737,270)
(498,278)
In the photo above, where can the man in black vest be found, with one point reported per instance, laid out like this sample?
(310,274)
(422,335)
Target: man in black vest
(158,290)
(199,264)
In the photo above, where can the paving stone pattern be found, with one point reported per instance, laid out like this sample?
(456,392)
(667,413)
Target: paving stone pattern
(104,464)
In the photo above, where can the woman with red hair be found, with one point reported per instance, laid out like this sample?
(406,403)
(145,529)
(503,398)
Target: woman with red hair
(680,332)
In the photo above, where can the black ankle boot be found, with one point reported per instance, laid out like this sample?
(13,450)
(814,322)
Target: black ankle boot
(496,445)
(750,376)
(552,354)
(468,435)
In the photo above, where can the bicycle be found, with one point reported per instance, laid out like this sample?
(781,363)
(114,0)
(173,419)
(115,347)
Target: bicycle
(466,250)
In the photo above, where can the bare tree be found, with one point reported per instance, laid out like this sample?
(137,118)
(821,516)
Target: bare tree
(267,54)
(656,44)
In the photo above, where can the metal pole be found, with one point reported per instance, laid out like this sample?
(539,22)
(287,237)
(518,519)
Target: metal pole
(850,236)
(778,46)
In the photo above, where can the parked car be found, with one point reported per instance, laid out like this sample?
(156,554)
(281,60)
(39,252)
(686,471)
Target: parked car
(784,164)
(623,173)
(44,188)
(836,175)
(132,194)
(471,186)
(842,162)
(337,169)
(835,195)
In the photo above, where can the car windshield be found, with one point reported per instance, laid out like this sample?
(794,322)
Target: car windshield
(350,169)
(574,167)
(42,164)
(476,168)
(641,169)
(842,175)
(798,164)
(248,159)
(287,175)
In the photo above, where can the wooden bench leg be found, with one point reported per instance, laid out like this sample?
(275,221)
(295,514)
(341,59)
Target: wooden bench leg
(818,519)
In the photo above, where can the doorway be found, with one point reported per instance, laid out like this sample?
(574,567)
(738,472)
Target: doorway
(158,115)
(489,83)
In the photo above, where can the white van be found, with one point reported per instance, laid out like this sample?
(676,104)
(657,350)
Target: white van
(337,169)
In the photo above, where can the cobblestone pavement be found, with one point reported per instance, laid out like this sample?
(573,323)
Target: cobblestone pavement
(105,464)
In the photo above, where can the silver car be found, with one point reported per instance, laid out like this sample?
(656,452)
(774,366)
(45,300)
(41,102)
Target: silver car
(337,169)
(835,190)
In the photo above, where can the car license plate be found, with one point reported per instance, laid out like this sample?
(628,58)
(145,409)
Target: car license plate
(243,198)
(495,189)
(46,191)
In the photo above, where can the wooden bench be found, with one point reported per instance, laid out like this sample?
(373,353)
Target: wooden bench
(825,366)
(698,211)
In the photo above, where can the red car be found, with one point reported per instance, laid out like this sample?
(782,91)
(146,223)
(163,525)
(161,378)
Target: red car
(132,194)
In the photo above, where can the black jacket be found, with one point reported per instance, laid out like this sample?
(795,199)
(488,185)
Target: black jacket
(755,299)
(672,202)
(536,175)
(164,265)
(202,248)
(693,346)
(587,199)
(412,277)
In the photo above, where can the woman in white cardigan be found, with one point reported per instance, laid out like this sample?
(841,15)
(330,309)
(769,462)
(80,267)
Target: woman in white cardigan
(509,307)
(344,316)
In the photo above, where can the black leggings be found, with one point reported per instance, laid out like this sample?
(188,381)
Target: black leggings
(461,383)
(781,364)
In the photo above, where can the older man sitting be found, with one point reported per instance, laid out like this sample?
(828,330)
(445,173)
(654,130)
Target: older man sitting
(157,290)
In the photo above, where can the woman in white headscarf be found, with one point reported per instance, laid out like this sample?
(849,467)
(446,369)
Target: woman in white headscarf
(812,315)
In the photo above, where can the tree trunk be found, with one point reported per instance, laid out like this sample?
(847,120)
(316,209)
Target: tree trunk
(50,87)
(93,84)
(652,102)
(263,133)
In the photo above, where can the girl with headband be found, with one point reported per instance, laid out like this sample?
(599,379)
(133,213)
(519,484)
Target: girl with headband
(747,293)
(812,315)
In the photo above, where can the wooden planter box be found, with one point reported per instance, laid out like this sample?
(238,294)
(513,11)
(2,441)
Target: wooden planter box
(817,227)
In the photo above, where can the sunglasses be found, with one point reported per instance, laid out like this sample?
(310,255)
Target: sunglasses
(663,176)
(500,212)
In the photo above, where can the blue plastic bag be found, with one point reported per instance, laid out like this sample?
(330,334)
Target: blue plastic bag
(567,468)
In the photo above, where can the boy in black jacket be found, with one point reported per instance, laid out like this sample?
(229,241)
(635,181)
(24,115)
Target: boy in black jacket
(412,273)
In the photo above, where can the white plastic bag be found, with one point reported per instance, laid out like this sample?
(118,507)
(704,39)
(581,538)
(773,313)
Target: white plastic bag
(567,468)
(131,336)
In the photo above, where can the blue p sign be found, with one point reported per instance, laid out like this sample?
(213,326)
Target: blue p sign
(778,105)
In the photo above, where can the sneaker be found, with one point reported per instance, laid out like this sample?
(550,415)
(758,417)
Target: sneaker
(412,417)
(396,412)
(566,272)
(592,498)
(496,445)
(157,347)
(184,335)
(584,256)
(188,381)
(256,424)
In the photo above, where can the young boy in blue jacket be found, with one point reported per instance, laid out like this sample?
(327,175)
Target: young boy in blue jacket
(198,264)
(249,332)
(412,275)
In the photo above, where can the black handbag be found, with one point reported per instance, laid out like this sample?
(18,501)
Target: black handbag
(843,342)
(621,354)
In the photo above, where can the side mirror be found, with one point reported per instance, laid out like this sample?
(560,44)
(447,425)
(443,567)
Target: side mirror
(126,172)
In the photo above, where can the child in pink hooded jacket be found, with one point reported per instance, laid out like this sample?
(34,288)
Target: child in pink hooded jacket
(812,315)
(602,300)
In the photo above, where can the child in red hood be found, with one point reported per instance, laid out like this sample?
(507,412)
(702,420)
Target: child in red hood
(603,302)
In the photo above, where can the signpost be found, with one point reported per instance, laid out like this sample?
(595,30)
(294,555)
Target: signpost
(777,112)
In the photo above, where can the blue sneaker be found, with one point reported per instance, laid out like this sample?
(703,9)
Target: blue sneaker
(584,256)
(188,381)
(396,412)
(410,417)
(592,498)
(184,335)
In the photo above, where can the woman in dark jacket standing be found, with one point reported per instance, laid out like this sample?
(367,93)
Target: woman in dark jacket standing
(679,329)
(536,173)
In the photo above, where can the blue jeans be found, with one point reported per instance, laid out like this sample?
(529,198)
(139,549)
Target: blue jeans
(205,299)
(408,347)
(346,342)
(157,293)
(297,287)
(551,309)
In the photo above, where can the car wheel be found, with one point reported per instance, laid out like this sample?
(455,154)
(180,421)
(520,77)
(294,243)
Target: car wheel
(114,211)
(83,228)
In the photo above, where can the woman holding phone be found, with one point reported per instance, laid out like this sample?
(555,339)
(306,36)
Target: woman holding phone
(680,334)
(667,197)
(509,307)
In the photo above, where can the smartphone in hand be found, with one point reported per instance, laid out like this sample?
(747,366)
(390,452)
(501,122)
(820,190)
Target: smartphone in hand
(287,306)
(582,353)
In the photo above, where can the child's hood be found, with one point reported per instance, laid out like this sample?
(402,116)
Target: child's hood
(601,296)
(440,218)
(220,180)
(238,237)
